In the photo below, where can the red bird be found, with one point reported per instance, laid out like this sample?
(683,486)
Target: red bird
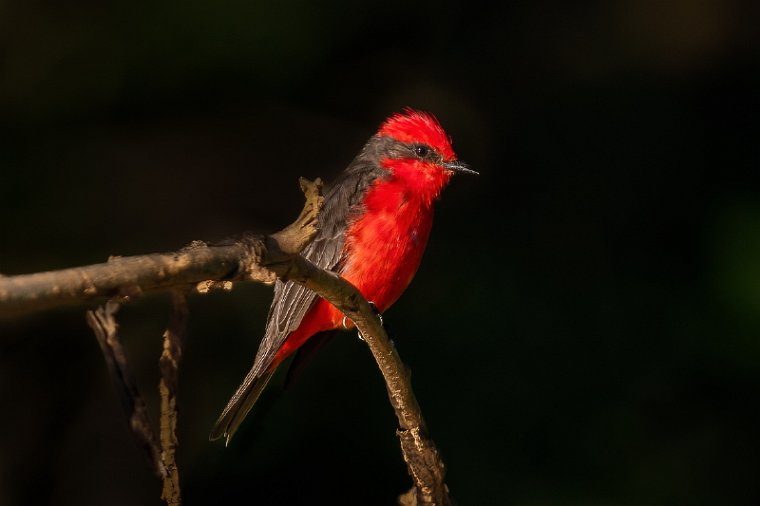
(373,229)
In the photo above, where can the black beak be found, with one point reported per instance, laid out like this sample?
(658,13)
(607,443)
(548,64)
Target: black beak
(460,167)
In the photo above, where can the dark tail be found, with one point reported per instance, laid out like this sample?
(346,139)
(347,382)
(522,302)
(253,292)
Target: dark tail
(239,406)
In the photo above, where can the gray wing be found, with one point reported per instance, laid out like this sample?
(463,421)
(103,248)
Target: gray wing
(290,304)
(291,301)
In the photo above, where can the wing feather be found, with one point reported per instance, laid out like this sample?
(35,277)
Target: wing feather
(291,301)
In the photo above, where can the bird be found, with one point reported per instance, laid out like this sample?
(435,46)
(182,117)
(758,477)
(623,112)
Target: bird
(373,228)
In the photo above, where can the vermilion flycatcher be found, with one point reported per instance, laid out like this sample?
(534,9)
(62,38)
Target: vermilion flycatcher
(373,228)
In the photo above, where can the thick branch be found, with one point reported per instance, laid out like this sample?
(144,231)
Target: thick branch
(124,276)
(119,276)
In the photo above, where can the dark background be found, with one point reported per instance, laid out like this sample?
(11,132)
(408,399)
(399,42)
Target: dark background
(585,327)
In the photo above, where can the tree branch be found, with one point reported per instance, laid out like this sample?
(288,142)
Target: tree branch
(170,360)
(420,454)
(259,258)
(238,258)
(106,329)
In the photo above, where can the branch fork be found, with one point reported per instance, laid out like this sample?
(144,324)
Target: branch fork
(248,257)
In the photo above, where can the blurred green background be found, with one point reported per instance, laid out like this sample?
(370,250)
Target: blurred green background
(585,327)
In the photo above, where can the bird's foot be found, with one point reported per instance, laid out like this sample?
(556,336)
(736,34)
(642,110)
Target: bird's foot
(377,313)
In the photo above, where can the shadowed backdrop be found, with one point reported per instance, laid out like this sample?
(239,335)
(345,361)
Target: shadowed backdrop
(585,326)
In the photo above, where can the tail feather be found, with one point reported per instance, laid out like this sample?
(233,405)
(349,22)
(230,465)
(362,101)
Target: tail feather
(239,406)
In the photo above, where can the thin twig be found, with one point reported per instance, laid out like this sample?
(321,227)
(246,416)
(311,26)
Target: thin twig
(105,327)
(170,360)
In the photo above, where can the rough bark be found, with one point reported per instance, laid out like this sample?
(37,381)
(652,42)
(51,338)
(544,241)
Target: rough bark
(247,257)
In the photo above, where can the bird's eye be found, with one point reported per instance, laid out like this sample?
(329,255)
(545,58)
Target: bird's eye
(421,150)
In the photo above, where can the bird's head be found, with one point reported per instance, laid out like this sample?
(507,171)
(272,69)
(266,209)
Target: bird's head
(425,137)
(421,152)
